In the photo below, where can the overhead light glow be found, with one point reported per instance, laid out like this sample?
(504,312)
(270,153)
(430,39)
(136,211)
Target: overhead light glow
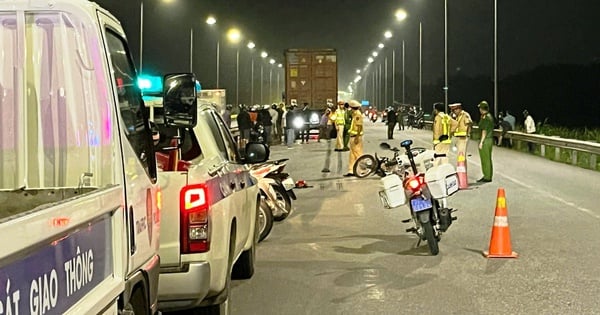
(381,45)
(264,54)
(251,45)
(357,71)
(211,20)
(400,15)
(375,54)
(272,61)
(234,35)
(387,34)
(370,59)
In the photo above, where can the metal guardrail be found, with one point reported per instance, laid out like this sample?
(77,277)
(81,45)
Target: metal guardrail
(556,142)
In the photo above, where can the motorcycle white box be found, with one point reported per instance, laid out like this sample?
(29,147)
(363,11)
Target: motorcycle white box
(442,181)
(393,194)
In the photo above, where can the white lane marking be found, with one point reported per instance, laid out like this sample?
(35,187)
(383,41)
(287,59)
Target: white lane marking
(543,193)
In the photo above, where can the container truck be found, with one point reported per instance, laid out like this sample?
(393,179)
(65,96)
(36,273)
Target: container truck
(311,77)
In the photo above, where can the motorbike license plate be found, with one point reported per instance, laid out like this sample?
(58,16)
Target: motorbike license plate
(288,183)
(419,204)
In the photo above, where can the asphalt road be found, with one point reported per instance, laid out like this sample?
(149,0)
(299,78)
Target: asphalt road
(341,252)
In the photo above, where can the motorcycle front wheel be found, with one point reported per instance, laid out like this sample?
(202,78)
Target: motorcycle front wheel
(432,241)
(265,219)
(364,166)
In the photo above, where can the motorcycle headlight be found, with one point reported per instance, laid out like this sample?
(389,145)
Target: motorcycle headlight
(298,122)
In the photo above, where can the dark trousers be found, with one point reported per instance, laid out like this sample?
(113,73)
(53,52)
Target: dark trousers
(390,130)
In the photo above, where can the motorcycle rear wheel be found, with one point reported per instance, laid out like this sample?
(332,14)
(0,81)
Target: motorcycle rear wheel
(265,220)
(432,241)
(364,166)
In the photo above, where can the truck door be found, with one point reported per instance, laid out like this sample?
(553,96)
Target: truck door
(139,164)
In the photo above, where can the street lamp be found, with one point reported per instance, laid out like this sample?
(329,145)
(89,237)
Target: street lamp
(234,36)
(278,79)
(251,46)
(212,21)
(271,61)
(263,55)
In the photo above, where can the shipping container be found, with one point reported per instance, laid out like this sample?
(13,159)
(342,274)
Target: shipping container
(311,77)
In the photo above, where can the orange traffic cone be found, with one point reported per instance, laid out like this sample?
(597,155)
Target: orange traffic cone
(500,240)
(461,171)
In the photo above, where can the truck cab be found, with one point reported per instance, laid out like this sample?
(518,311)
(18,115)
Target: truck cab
(80,201)
(210,209)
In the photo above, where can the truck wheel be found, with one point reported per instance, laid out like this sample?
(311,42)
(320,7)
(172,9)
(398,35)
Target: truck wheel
(244,266)
(137,304)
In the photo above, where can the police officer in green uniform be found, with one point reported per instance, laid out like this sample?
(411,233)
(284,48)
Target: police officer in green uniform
(486,125)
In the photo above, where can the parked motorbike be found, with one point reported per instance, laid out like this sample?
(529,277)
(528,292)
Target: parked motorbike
(426,195)
(367,164)
(276,193)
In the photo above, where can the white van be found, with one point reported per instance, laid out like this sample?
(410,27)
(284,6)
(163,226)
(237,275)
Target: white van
(79,200)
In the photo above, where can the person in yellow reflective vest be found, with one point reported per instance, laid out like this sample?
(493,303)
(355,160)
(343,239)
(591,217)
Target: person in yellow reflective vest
(338,117)
(463,128)
(443,126)
(356,136)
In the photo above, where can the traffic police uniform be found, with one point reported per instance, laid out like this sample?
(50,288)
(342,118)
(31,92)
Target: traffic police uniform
(463,129)
(486,143)
(441,137)
(339,118)
(356,135)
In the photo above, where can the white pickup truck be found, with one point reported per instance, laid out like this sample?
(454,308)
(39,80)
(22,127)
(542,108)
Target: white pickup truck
(210,209)
(79,201)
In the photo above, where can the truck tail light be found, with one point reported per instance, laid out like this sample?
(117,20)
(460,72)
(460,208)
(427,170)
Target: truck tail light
(195,221)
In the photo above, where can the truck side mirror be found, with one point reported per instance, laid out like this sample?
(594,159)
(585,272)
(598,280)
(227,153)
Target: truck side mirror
(180,100)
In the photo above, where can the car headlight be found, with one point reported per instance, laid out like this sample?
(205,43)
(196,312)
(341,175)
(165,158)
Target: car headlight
(298,122)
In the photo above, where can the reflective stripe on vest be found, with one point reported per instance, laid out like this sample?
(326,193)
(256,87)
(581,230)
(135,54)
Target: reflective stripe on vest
(445,129)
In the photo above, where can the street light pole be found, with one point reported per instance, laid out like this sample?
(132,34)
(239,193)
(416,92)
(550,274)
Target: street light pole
(261,83)
(446,56)
(495,58)
(403,73)
(252,81)
(386,84)
(237,76)
(394,75)
(191,49)
(420,63)
(141,34)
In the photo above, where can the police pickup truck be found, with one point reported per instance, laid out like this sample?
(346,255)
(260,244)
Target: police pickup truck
(210,208)
(79,198)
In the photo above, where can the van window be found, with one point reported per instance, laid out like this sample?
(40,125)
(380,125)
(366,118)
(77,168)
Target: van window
(56,115)
(134,120)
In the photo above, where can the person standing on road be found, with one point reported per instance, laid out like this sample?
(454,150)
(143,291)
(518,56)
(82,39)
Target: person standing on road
(391,123)
(244,124)
(443,125)
(486,143)
(290,131)
(280,114)
(529,128)
(356,134)
(463,128)
(347,123)
(275,136)
(400,118)
(339,119)
(305,131)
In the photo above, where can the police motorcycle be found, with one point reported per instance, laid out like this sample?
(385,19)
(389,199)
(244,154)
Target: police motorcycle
(426,195)
(399,164)
(276,194)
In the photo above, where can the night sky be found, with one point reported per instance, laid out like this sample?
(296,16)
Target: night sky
(530,34)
